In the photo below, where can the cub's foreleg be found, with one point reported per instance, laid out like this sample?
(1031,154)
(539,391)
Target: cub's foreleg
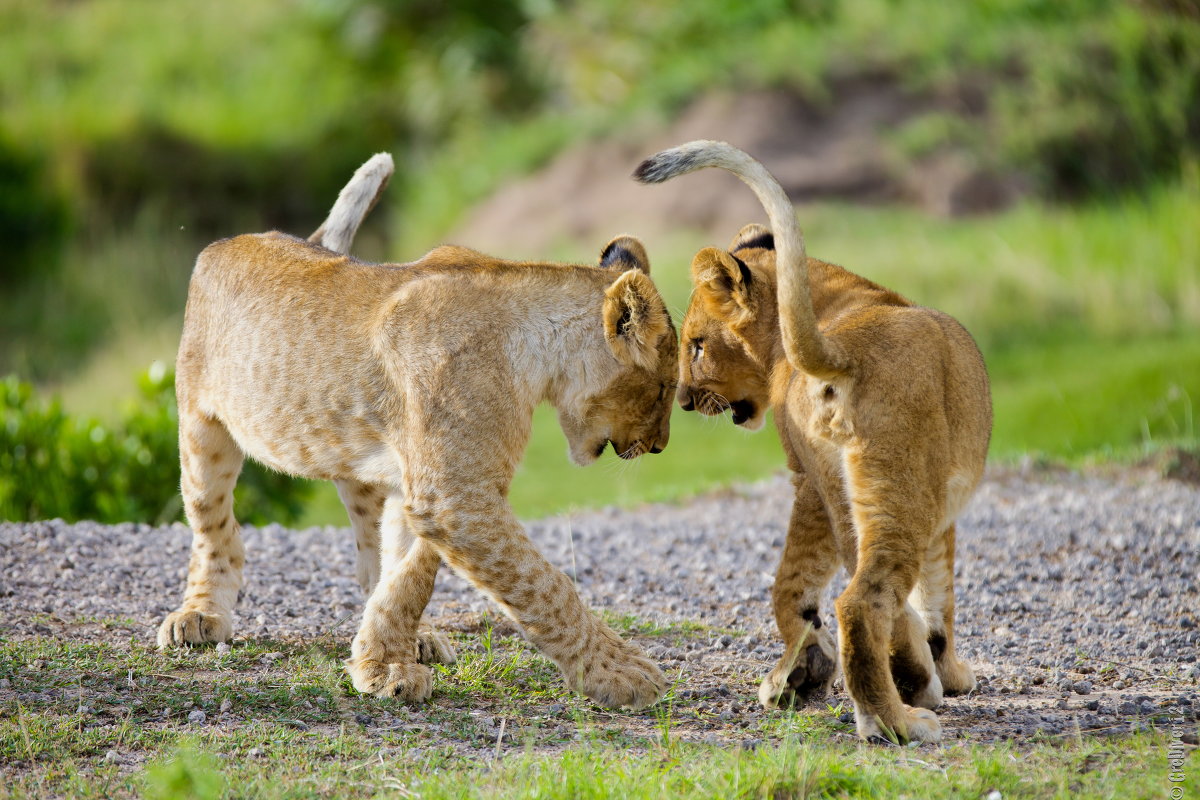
(210,462)
(809,662)
(478,536)
(389,652)
(934,598)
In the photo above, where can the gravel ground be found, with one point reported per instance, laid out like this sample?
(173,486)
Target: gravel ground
(1078,596)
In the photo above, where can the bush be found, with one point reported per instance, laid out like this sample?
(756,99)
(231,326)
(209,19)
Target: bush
(34,216)
(56,465)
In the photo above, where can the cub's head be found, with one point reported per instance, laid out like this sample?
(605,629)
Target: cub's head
(633,409)
(732,313)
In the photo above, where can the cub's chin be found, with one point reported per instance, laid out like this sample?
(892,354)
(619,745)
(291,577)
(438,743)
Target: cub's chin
(747,414)
(586,452)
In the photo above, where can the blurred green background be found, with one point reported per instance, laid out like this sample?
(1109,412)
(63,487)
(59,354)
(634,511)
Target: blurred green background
(133,133)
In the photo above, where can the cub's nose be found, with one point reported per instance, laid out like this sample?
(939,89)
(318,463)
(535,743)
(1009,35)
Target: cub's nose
(684,396)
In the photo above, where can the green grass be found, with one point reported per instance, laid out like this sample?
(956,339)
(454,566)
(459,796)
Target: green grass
(295,728)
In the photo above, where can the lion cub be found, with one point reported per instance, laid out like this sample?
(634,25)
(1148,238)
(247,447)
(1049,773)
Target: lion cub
(412,386)
(884,411)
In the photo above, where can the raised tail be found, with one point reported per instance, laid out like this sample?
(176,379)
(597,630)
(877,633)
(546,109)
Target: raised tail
(806,348)
(353,204)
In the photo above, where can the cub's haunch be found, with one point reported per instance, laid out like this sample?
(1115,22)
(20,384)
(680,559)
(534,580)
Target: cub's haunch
(412,387)
(884,412)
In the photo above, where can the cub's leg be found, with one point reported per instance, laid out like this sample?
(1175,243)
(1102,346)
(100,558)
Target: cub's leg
(913,671)
(934,597)
(809,661)
(478,536)
(386,655)
(210,462)
(892,524)
(364,505)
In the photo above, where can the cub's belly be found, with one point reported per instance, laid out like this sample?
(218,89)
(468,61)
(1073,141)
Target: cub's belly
(312,434)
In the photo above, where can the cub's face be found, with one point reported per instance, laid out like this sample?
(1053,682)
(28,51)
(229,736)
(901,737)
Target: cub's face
(633,410)
(733,301)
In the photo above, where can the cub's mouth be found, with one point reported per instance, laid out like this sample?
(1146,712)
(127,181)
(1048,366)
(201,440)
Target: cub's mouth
(599,451)
(743,411)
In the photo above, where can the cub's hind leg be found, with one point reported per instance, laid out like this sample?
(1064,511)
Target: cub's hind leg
(364,504)
(388,656)
(893,521)
(809,661)
(934,598)
(210,461)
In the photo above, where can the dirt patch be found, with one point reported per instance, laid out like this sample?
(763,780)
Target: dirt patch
(837,150)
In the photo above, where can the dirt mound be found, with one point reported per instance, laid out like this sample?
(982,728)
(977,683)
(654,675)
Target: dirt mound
(837,150)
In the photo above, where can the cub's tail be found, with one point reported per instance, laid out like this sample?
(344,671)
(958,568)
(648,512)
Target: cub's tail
(806,348)
(353,204)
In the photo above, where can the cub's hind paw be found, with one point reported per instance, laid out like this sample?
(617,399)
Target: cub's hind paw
(800,677)
(434,647)
(194,627)
(412,683)
(913,725)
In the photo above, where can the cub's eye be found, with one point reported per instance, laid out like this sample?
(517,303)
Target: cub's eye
(697,349)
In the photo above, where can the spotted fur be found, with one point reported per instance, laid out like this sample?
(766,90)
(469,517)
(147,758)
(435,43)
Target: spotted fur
(412,386)
(884,412)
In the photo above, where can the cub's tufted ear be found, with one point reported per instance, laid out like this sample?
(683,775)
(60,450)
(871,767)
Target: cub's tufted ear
(753,236)
(635,319)
(625,252)
(723,283)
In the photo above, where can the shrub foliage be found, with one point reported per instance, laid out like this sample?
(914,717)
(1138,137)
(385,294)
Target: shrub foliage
(53,464)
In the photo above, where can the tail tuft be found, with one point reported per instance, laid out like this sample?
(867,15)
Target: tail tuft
(353,204)
(677,161)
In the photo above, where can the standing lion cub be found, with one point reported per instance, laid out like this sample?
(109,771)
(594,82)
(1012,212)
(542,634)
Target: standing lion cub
(412,387)
(884,412)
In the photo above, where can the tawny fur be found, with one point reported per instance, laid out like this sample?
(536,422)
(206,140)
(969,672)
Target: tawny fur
(413,386)
(884,411)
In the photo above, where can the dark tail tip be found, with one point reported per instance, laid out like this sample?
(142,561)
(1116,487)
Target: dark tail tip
(648,172)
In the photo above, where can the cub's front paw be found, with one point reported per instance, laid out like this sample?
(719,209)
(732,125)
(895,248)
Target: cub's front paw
(434,647)
(802,675)
(412,683)
(620,677)
(957,676)
(194,627)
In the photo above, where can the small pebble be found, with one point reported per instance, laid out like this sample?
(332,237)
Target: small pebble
(197,717)
(226,705)
(223,648)
(1083,687)
(112,757)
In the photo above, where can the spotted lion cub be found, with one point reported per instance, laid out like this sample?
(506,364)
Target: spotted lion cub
(884,412)
(412,387)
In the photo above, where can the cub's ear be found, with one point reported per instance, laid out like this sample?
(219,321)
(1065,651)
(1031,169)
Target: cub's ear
(753,236)
(723,282)
(635,319)
(625,252)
